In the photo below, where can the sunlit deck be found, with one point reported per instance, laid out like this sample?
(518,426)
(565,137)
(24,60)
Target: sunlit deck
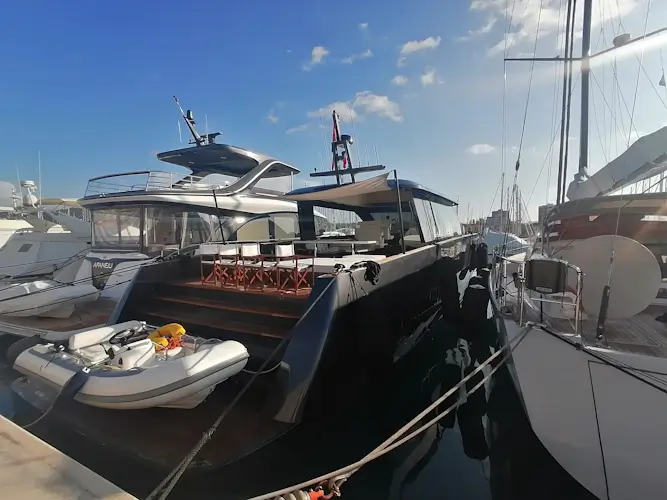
(640,334)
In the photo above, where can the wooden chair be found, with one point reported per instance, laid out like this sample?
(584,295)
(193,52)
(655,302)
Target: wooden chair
(293,268)
(227,263)
(251,265)
(209,256)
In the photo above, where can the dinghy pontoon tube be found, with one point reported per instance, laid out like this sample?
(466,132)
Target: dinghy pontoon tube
(129,370)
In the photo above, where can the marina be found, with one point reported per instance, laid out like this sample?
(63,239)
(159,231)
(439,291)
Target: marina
(227,317)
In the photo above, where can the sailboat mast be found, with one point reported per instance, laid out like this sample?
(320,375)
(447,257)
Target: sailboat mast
(585,90)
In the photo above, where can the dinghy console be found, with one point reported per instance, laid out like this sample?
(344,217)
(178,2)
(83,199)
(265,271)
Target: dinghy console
(113,334)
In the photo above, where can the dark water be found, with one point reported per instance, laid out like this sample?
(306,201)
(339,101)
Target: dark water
(484,451)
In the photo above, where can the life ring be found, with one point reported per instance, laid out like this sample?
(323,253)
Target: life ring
(167,337)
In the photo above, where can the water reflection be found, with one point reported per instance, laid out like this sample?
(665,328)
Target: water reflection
(470,454)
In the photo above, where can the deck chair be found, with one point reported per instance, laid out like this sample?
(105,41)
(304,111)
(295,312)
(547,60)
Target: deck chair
(293,269)
(251,265)
(209,255)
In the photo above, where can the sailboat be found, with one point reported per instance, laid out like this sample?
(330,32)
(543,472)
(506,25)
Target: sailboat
(583,315)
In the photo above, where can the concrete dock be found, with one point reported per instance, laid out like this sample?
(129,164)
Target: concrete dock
(31,469)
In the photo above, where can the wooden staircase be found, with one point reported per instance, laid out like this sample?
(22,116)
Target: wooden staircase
(256,319)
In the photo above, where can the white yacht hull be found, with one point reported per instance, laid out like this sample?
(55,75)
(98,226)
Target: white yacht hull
(44,298)
(36,253)
(605,426)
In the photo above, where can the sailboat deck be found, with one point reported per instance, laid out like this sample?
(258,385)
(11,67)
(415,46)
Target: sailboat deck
(640,334)
(84,316)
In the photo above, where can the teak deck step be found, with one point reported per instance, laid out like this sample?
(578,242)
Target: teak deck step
(228,307)
(232,326)
(300,295)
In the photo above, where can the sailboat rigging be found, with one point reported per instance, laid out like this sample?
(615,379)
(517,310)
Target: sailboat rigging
(592,295)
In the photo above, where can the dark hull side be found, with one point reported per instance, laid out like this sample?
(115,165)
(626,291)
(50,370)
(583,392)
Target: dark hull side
(360,334)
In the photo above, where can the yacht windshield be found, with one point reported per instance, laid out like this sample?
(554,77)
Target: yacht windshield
(150,229)
(117,227)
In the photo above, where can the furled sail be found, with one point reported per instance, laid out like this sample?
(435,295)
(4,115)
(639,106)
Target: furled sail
(645,158)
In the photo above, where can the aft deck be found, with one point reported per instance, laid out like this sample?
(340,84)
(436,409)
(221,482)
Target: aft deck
(639,334)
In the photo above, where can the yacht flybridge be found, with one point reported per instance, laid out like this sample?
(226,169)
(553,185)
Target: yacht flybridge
(141,216)
(326,316)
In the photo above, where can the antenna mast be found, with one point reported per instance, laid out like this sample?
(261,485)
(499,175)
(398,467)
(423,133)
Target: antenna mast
(189,119)
(341,162)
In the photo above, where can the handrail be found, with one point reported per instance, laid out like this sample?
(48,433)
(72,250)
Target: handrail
(154,180)
(522,296)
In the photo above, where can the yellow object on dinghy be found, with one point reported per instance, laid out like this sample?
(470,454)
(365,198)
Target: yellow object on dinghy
(167,336)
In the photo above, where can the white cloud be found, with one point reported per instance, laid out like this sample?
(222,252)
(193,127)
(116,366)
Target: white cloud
(399,80)
(525,15)
(482,30)
(363,26)
(272,117)
(415,46)
(481,149)
(364,103)
(428,78)
(298,129)
(317,56)
(361,55)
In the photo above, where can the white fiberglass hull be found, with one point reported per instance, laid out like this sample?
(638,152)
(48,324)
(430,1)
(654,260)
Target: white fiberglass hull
(44,298)
(604,424)
(37,253)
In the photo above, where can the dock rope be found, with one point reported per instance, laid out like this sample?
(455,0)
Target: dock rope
(334,480)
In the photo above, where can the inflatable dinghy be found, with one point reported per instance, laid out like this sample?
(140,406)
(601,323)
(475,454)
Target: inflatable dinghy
(128,366)
(44,298)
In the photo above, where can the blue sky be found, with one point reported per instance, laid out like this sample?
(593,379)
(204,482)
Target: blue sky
(90,85)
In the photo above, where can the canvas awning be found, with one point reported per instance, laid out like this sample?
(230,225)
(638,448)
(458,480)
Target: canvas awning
(367,192)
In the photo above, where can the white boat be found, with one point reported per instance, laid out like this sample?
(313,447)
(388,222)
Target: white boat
(45,298)
(40,236)
(504,243)
(126,366)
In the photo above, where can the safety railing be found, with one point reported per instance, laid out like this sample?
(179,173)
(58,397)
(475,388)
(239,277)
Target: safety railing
(147,180)
(523,295)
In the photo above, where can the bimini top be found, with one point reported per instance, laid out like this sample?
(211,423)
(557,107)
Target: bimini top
(374,191)
(225,160)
